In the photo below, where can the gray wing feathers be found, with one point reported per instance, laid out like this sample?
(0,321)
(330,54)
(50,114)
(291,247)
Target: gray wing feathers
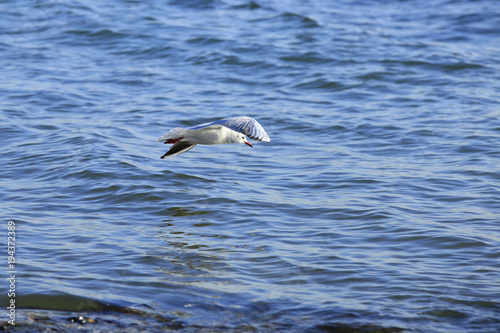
(246,125)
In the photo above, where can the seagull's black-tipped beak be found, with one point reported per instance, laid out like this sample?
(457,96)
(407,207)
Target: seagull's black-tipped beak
(248,143)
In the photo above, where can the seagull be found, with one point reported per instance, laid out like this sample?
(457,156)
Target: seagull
(229,130)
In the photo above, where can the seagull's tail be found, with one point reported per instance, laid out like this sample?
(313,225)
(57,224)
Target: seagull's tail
(174,133)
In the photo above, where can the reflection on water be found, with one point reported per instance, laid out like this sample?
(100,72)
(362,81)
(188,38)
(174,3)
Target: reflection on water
(179,211)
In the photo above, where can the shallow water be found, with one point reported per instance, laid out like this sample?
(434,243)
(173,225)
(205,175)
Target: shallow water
(376,201)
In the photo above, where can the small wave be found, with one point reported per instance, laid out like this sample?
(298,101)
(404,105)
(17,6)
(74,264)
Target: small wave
(308,57)
(298,20)
(321,84)
(102,34)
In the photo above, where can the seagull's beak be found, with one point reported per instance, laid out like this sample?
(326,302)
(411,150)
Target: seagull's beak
(248,143)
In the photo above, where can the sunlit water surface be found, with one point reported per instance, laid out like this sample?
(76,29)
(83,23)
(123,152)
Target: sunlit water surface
(377,201)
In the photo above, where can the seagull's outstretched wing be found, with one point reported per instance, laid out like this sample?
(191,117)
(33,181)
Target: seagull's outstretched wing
(246,125)
(179,148)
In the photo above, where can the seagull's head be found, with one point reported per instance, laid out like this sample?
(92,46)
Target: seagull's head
(245,140)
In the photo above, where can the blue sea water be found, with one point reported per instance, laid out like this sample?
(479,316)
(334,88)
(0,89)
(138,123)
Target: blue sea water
(375,205)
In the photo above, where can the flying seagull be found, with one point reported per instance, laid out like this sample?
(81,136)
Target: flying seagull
(229,130)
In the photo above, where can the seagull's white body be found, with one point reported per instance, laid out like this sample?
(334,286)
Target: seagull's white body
(229,130)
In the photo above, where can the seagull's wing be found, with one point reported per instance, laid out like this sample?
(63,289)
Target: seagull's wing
(179,148)
(246,125)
